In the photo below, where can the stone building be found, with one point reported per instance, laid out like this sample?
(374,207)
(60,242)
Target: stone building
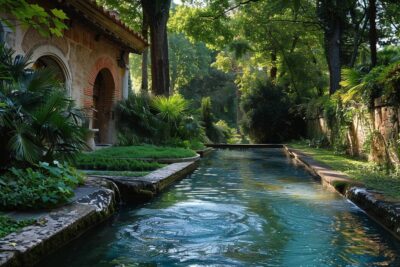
(91,59)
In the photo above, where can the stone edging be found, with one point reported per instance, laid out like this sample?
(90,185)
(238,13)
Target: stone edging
(28,246)
(94,202)
(166,160)
(140,189)
(245,145)
(205,152)
(384,212)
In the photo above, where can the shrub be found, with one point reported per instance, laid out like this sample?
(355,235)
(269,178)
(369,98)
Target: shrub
(135,121)
(143,151)
(88,162)
(230,134)
(46,186)
(214,133)
(267,115)
(159,120)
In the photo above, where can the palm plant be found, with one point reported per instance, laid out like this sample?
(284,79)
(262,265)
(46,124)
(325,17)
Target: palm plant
(37,121)
(365,84)
(171,110)
(135,121)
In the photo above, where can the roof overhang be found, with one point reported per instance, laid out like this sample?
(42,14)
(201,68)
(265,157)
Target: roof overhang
(109,24)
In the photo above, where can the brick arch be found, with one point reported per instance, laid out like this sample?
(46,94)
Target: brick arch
(103,62)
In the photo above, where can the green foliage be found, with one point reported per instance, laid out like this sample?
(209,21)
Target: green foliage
(46,22)
(363,84)
(198,25)
(130,12)
(90,162)
(266,115)
(158,120)
(135,121)
(45,186)
(214,133)
(230,134)
(37,120)
(221,89)
(8,225)
(187,61)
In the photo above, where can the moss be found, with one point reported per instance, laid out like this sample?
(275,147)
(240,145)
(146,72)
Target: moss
(358,169)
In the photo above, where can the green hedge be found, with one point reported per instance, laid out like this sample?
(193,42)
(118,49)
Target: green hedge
(89,162)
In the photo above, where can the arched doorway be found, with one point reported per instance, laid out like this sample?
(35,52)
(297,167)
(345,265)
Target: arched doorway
(51,63)
(103,92)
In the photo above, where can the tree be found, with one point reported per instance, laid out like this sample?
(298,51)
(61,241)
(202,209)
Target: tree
(373,36)
(154,16)
(46,22)
(157,12)
(331,13)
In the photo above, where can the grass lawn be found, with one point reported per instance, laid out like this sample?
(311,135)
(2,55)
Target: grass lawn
(8,226)
(117,173)
(355,168)
(144,151)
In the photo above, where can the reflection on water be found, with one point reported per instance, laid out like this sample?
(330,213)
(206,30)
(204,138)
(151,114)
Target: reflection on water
(240,208)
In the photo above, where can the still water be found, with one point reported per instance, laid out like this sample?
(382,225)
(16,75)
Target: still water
(249,207)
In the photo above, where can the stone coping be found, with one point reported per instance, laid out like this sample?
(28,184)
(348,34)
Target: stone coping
(140,189)
(245,145)
(170,160)
(205,152)
(164,160)
(93,203)
(381,210)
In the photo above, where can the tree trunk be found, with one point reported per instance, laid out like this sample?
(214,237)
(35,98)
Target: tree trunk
(145,56)
(333,49)
(274,69)
(357,41)
(157,12)
(373,36)
(331,13)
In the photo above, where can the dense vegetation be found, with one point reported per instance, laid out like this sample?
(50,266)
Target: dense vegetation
(38,125)
(42,186)
(89,162)
(221,71)
(8,226)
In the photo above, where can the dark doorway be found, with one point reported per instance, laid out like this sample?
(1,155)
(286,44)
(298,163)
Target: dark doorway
(103,91)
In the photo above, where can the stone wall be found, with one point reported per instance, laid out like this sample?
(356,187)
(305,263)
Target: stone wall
(384,120)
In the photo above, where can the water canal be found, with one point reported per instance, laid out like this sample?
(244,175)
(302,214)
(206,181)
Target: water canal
(240,208)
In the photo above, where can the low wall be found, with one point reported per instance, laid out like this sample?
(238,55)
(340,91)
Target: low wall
(384,212)
(92,204)
(383,119)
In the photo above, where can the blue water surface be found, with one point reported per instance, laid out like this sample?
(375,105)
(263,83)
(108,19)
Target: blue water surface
(250,207)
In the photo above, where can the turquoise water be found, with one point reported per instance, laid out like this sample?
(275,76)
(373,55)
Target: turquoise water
(240,208)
